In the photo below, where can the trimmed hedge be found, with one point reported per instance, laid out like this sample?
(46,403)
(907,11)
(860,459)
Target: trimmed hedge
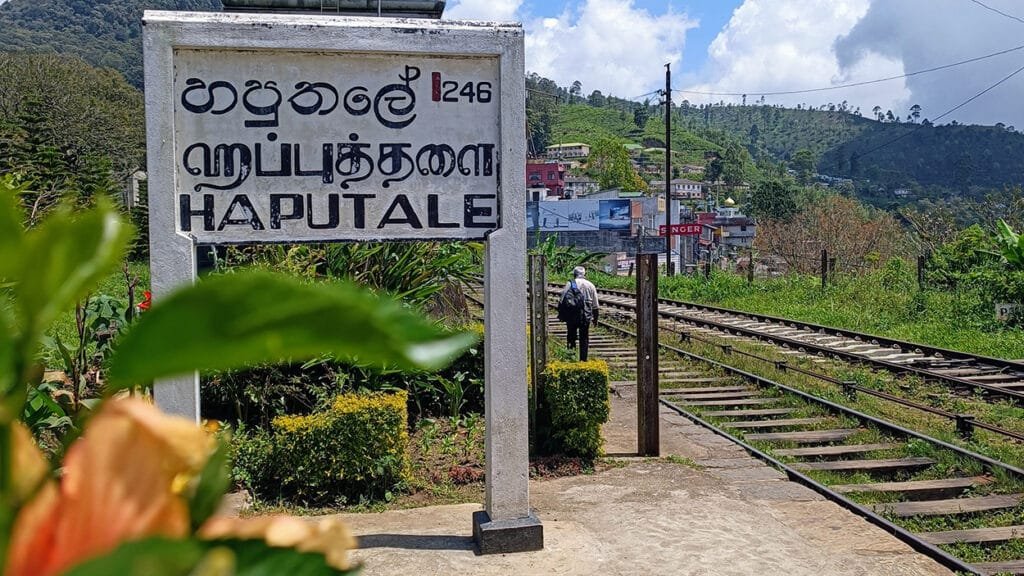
(576,404)
(355,451)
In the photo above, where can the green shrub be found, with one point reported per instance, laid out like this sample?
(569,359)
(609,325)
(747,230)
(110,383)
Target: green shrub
(576,404)
(355,451)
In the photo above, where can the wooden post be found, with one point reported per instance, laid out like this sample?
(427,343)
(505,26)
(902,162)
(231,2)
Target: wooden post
(648,433)
(824,268)
(538,335)
(921,262)
(750,267)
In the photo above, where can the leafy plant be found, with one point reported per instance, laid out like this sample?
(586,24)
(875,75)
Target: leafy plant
(231,322)
(1011,246)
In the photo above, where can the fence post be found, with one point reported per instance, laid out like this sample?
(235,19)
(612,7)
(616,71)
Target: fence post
(750,267)
(824,268)
(648,433)
(921,261)
(538,335)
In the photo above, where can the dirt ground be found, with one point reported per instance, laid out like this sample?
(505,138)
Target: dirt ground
(728,515)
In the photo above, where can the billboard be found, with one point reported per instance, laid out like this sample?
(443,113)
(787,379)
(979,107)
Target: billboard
(580,215)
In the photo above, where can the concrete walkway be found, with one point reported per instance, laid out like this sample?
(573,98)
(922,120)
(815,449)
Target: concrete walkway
(732,516)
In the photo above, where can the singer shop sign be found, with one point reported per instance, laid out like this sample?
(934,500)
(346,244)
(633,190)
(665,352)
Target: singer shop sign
(284,146)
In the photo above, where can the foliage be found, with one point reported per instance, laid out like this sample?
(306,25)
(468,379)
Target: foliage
(884,302)
(72,132)
(773,198)
(805,164)
(105,33)
(255,396)
(577,405)
(1011,246)
(609,161)
(562,259)
(339,318)
(857,236)
(354,451)
(176,474)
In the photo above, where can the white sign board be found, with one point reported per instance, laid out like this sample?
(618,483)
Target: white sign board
(1006,312)
(306,127)
(284,146)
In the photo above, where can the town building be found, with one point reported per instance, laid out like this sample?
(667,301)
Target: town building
(735,229)
(681,189)
(579,186)
(571,150)
(550,175)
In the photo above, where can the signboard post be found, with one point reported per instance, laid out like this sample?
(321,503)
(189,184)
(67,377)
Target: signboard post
(267,128)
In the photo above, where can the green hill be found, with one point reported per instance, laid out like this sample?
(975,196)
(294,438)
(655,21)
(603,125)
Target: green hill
(104,33)
(956,157)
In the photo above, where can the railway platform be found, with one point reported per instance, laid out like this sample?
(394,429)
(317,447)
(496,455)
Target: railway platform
(704,508)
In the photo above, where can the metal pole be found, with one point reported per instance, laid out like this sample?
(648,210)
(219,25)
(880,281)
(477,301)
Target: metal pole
(668,170)
(538,338)
(648,433)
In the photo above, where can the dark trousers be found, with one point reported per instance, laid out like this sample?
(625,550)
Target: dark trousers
(579,331)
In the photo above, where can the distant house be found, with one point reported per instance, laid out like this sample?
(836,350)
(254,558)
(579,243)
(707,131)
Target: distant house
(538,193)
(579,186)
(736,230)
(901,193)
(681,189)
(571,150)
(550,175)
(692,169)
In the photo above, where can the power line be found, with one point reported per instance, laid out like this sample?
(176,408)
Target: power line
(997,11)
(864,83)
(944,114)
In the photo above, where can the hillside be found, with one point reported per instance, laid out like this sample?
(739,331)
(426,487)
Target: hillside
(105,33)
(893,153)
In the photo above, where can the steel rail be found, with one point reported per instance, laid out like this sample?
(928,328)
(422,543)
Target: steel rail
(925,349)
(832,406)
(827,351)
(919,545)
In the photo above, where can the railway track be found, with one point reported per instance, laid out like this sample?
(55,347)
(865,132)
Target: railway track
(994,377)
(964,509)
(961,508)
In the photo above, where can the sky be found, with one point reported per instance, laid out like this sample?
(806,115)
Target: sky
(754,46)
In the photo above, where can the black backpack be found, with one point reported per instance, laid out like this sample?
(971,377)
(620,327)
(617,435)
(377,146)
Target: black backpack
(572,307)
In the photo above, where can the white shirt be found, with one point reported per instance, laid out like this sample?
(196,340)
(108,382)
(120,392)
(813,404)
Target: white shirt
(588,289)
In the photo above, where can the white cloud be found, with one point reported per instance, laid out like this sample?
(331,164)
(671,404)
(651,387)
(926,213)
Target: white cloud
(608,45)
(784,45)
(493,10)
(924,34)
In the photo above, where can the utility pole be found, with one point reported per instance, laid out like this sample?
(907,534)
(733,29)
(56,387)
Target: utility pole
(668,170)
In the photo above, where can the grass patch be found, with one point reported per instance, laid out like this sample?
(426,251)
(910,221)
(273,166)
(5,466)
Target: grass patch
(886,303)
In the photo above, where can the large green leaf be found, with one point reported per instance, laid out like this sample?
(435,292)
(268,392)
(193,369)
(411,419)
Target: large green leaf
(64,259)
(230,321)
(213,482)
(162,557)
(153,557)
(11,234)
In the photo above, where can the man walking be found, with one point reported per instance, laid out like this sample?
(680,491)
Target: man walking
(578,308)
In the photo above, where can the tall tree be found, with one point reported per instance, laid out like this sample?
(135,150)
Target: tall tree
(609,160)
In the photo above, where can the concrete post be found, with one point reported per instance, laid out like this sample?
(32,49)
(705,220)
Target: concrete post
(538,337)
(172,256)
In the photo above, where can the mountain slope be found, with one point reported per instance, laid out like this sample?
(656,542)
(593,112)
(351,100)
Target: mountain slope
(105,33)
(955,157)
